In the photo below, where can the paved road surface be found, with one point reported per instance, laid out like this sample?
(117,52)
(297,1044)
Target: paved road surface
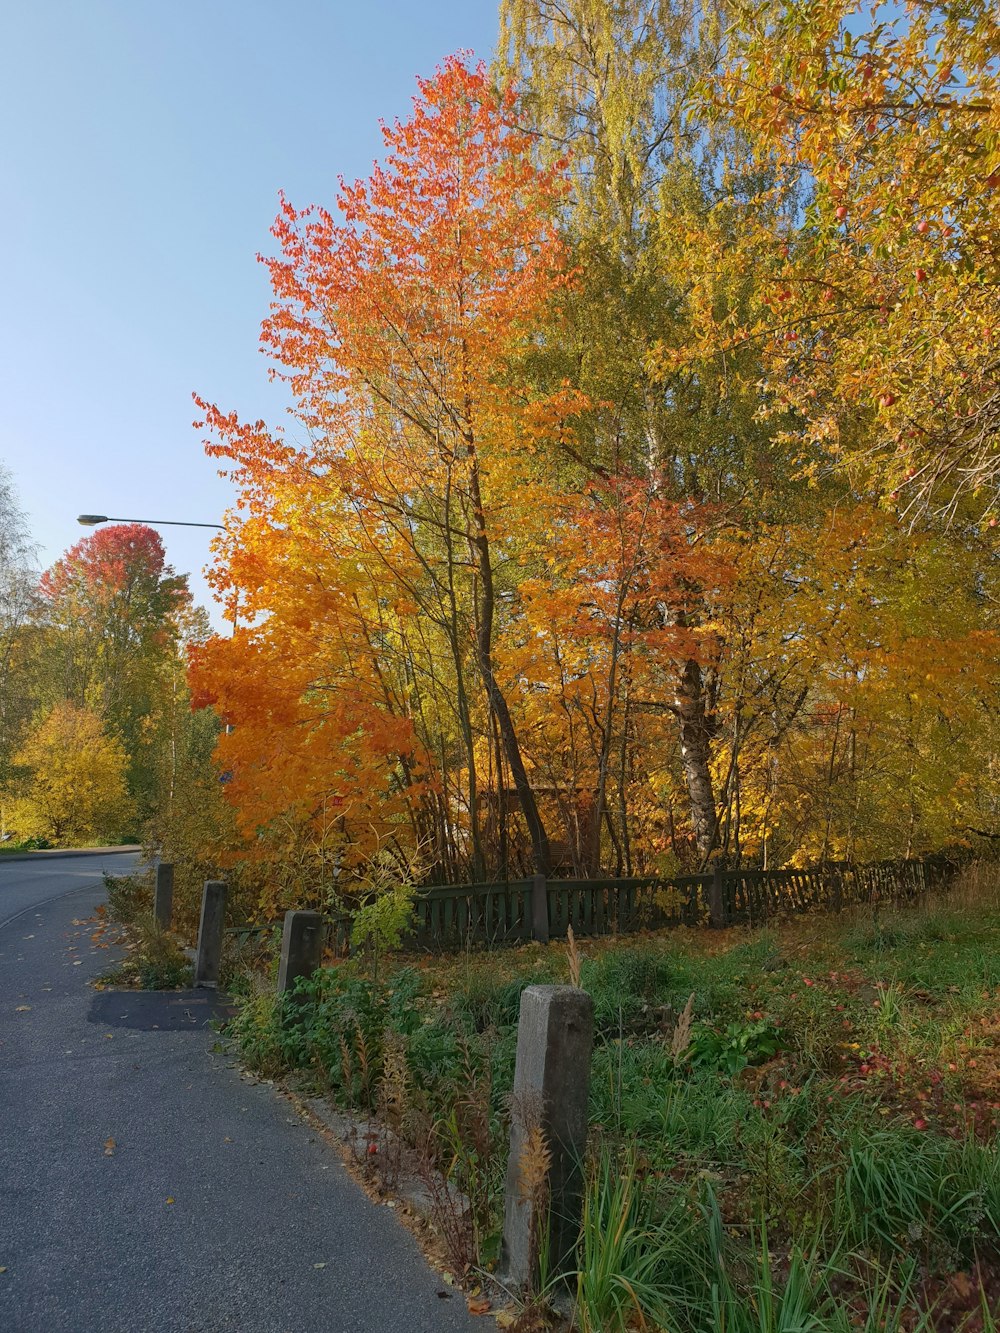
(215,1209)
(27,883)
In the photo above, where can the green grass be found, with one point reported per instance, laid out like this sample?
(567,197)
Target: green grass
(821,1155)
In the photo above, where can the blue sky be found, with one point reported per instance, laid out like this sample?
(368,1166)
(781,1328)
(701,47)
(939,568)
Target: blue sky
(143,148)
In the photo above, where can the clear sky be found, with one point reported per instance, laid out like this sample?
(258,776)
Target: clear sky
(142,148)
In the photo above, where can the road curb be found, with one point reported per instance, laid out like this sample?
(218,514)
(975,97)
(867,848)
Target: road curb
(52,853)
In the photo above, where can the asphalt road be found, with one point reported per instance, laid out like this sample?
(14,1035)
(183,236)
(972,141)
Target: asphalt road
(145,1185)
(27,883)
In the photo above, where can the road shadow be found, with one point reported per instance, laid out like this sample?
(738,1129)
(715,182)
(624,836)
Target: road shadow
(167,1011)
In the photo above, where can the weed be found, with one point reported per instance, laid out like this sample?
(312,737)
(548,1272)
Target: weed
(128,897)
(735,1047)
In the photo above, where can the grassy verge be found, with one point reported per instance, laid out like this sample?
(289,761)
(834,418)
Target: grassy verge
(790,1130)
(154,958)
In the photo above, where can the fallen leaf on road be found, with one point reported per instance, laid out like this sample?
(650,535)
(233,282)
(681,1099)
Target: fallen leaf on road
(319,1265)
(23,1009)
(478,1306)
(77,962)
(109,1036)
(170,1199)
(2,1269)
(109,1147)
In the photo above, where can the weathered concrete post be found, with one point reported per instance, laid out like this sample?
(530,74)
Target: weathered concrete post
(717,914)
(163,894)
(539,908)
(555,1036)
(301,948)
(208,963)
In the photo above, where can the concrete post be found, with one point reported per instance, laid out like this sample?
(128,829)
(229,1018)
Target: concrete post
(301,948)
(208,963)
(717,914)
(539,909)
(163,895)
(551,1086)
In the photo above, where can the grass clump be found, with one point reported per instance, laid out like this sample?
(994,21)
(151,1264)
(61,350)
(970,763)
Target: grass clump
(154,957)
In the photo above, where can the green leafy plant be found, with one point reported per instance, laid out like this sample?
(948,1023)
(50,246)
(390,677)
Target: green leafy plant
(733,1048)
(386,894)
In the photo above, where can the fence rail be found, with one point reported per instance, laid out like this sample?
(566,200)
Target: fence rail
(458,915)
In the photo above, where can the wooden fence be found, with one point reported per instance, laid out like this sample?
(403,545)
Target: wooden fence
(458,915)
(491,914)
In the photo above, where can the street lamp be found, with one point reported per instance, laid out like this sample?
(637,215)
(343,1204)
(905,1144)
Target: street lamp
(92,520)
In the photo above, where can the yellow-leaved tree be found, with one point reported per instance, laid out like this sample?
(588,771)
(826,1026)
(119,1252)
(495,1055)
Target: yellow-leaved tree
(873,238)
(72,790)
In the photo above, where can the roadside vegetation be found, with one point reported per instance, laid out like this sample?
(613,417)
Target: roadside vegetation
(154,958)
(790,1130)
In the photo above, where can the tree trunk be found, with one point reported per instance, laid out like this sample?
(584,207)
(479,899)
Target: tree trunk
(696,739)
(497,702)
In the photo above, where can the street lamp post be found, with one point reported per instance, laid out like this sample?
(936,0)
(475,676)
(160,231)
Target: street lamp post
(92,520)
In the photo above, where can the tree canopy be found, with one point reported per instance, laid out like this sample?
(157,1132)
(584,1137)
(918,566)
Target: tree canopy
(637,509)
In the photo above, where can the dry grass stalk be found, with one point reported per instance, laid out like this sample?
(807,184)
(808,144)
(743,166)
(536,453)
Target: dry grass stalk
(346,1064)
(534,1165)
(450,1212)
(573,954)
(681,1039)
(394,1085)
(364,1063)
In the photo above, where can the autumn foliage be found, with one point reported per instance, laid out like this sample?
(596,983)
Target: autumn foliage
(874,231)
(74,791)
(582,555)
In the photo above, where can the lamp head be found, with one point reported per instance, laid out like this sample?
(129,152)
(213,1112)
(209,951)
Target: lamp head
(92,520)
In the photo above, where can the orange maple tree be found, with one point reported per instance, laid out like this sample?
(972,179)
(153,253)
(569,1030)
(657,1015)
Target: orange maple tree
(370,564)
